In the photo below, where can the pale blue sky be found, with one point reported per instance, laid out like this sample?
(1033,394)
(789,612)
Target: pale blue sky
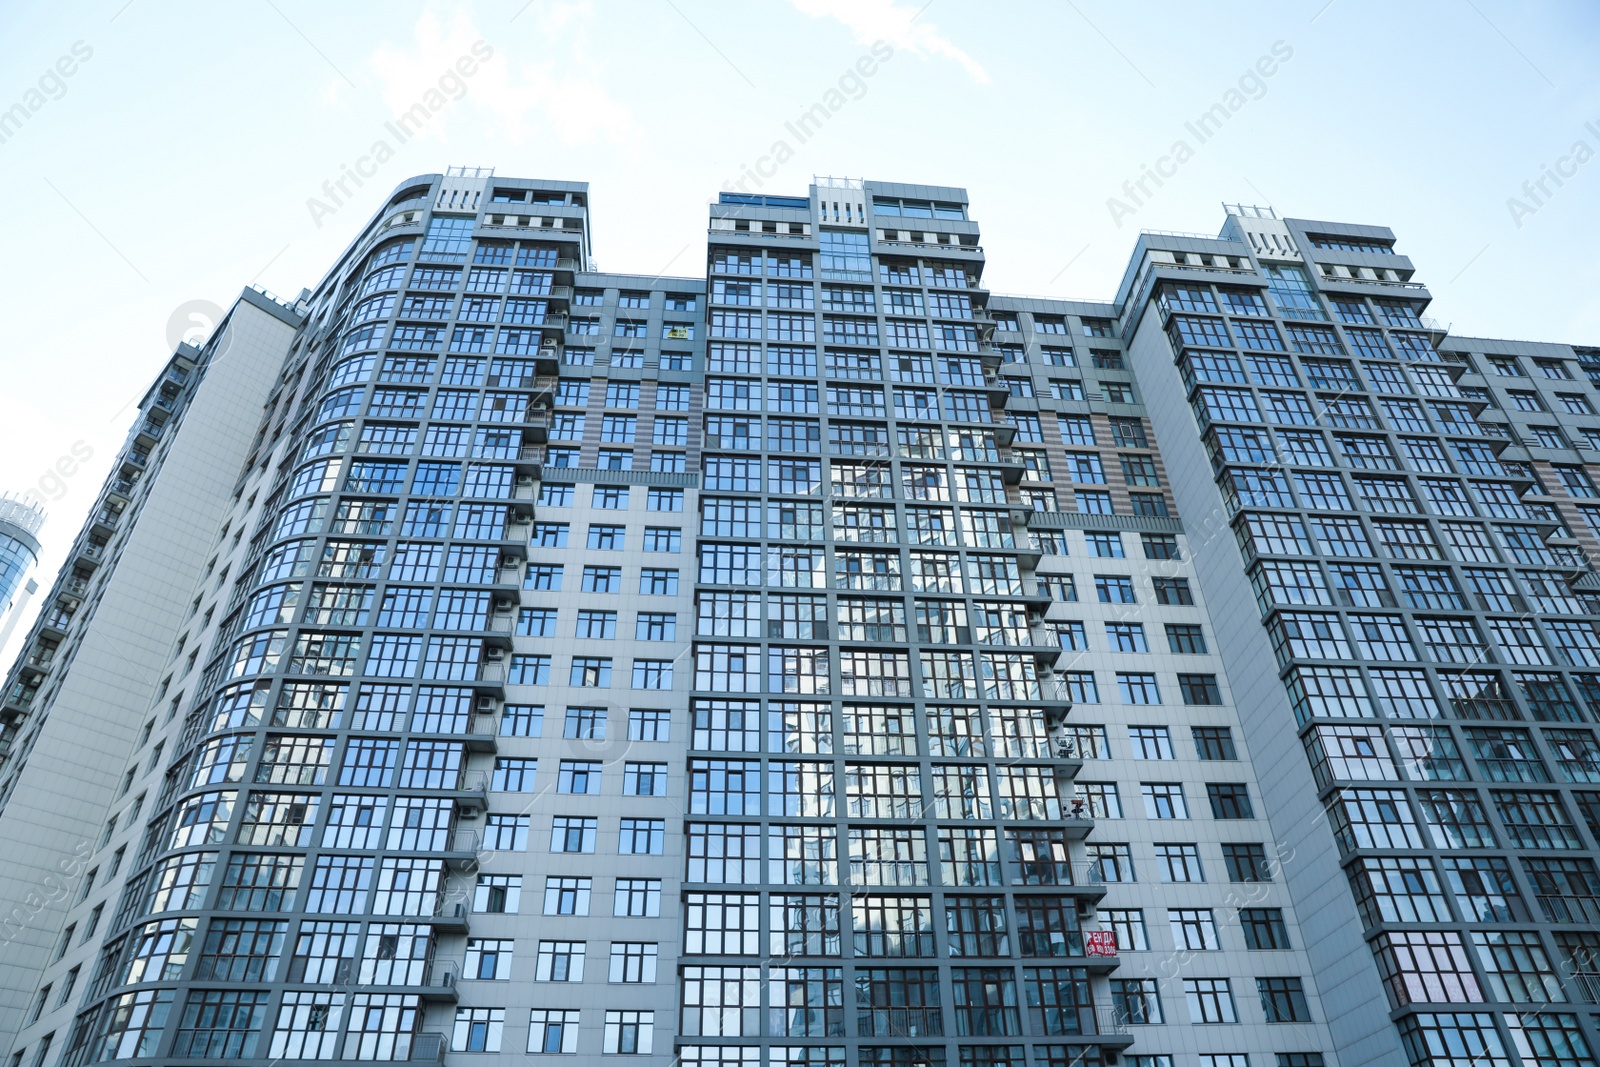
(177,161)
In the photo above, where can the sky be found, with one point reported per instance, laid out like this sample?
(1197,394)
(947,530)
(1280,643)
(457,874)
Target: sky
(174,152)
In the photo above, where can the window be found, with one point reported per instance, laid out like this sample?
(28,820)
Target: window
(1194,929)
(1246,862)
(652,674)
(497,893)
(1199,689)
(1283,1000)
(644,780)
(1179,863)
(1210,1000)
(1114,589)
(597,625)
(1138,688)
(508,833)
(638,897)
(1150,742)
(664,499)
(1229,801)
(1172,591)
(513,775)
(579,776)
(657,582)
(591,672)
(1106,545)
(633,962)
(489,960)
(560,961)
(1214,743)
(1263,928)
(642,837)
(1126,637)
(663,539)
(629,1033)
(572,834)
(1164,800)
(1160,546)
(551,1031)
(1185,638)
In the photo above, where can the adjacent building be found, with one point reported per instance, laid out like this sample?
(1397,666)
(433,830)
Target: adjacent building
(820,662)
(20,519)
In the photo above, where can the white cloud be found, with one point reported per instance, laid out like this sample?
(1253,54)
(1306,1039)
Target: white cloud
(898,24)
(567,99)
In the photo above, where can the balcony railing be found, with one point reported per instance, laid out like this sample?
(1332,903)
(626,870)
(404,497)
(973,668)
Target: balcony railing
(1108,1021)
(899,1022)
(1570,909)
(427,1048)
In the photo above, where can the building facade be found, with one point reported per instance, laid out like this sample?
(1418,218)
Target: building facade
(819,661)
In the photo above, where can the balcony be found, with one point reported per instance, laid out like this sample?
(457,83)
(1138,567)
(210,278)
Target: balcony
(462,850)
(497,630)
(436,982)
(427,1048)
(1068,761)
(1570,908)
(19,700)
(54,623)
(492,679)
(105,522)
(161,408)
(1587,985)
(483,733)
(450,918)
(36,666)
(1108,1023)
(1076,822)
(548,359)
(529,461)
(899,1022)
(1081,879)
(472,791)
(148,434)
(439,981)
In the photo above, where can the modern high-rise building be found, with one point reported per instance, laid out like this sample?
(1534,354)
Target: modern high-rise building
(820,662)
(20,519)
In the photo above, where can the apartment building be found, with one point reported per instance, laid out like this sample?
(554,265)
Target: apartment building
(861,667)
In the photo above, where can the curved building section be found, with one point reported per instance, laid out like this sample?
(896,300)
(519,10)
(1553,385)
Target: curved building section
(20,520)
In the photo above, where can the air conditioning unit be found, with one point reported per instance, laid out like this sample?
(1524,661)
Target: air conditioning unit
(526,479)
(503,604)
(486,703)
(549,342)
(494,655)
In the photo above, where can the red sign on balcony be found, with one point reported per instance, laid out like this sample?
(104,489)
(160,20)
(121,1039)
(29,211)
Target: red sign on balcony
(1100,942)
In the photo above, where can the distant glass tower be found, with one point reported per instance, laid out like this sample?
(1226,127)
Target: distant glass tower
(20,520)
